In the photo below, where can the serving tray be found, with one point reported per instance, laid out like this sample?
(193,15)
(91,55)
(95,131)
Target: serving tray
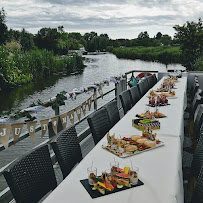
(95,193)
(141,126)
(124,155)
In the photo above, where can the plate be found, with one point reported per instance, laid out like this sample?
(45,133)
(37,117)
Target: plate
(124,155)
(157,106)
(95,193)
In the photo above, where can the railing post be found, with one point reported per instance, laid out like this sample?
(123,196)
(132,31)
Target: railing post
(95,105)
(116,90)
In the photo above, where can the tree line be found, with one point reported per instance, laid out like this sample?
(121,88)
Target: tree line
(188,37)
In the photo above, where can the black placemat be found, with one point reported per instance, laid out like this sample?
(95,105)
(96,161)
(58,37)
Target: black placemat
(157,106)
(96,193)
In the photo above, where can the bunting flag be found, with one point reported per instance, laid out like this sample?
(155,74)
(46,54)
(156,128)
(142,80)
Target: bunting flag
(84,104)
(78,111)
(64,119)
(100,92)
(71,116)
(89,103)
(44,126)
(95,97)
(16,129)
(5,129)
(31,129)
(54,122)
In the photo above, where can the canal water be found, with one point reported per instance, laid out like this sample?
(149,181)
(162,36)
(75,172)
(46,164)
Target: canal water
(98,68)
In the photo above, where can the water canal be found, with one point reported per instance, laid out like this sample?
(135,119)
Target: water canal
(98,68)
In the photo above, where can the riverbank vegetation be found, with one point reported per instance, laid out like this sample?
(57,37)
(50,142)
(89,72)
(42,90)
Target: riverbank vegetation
(26,56)
(161,54)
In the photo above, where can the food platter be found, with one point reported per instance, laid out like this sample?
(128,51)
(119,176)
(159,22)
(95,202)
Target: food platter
(151,115)
(124,155)
(140,124)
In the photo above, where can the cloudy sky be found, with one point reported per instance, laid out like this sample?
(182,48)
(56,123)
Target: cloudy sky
(117,18)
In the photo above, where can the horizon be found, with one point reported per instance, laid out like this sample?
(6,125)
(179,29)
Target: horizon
(118,19)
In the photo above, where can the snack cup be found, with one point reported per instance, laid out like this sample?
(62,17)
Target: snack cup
(92,173)
(134,175)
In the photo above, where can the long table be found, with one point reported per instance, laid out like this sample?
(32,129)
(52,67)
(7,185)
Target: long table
(160,169)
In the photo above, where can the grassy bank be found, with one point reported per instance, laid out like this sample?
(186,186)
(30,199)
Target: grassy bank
(162,54)
(20,67)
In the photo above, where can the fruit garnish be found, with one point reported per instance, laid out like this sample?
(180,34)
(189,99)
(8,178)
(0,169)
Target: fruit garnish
(119,186)
(114,185)
(126,170)
(94,188)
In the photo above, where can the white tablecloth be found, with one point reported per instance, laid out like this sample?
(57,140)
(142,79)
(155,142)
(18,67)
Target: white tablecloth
(160,169)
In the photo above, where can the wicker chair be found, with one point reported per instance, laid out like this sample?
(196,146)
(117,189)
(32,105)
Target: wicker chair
(99,124)
(155,78)
(67,149)
(141,88)
(134,95)
(150,81)
(125,101)
(113,112)
(32,176)
(146,85)
(192,162)
(197,196)
(194,134)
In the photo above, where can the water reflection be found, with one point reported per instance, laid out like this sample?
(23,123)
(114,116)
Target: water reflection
(99,67)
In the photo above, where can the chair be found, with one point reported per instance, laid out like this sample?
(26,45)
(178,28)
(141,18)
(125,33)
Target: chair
(155,78)
(146,85)
(32,176)
(150,80)
(67,149)
(134,95)
(197,196)
(113,112)
(196,101)
(192,162)
(99,124)
(141,88)
(125,100)
(194,134)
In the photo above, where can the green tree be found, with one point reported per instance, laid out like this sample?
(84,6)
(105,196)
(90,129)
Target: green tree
(166,40)
(47,38)
(3,27)
(158,35)
(26,40)
(190,38)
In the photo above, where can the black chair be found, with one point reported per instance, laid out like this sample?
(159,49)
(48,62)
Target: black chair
(192,162)
(193,134)
(99,124)
(32,176)
(134,95)
(113,112)
(151,81)
(189,114)
(125,101)
(141,88)
(67,149)
(146,85)
(155,78)
(197,196)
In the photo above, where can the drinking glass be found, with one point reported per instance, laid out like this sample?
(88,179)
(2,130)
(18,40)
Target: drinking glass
(134,175)
(92,173)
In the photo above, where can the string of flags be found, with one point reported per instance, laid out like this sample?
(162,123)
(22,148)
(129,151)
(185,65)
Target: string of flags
(16,128)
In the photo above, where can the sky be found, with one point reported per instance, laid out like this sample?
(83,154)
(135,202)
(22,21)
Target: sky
(117,18)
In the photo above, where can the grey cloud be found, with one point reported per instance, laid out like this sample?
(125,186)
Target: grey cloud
(84,2)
